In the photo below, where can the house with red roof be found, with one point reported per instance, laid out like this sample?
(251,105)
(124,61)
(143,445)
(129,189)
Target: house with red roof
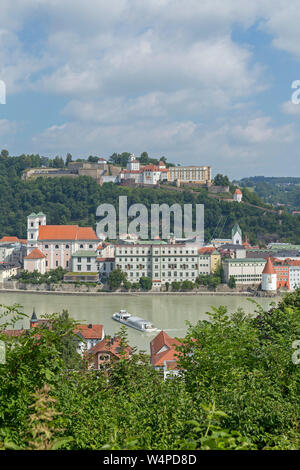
(164,354)
(107,351)
(35,261)
(56,243)
(88,336)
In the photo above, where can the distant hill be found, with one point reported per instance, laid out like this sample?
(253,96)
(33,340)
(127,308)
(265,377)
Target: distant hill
(275,190)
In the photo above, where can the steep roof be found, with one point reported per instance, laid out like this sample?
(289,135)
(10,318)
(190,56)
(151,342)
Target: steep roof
(66,232)
(238,191)
(90,331)
(35,254)
(110,346)
(162,348)
(269,268)
(236,229)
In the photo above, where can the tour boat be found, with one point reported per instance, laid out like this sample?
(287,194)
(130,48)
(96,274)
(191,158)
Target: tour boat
(135,322)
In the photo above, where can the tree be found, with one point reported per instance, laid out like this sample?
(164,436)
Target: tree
(176,285)
(4,153)
(144,158)
(68,347)
(187,285)
(92,159)
(68,158)
(116,278)
(221,180)
(145,283)
(232,283)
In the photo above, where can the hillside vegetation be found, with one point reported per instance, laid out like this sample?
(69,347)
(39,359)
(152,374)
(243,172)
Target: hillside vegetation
(239,388)
(74,201)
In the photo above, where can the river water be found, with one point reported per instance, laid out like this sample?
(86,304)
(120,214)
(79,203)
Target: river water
(167,312)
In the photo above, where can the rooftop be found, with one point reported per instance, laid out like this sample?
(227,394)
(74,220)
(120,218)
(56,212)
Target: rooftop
(66,232)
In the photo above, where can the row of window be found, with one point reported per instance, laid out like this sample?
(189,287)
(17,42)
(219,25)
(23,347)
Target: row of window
(57,247)
(156,252)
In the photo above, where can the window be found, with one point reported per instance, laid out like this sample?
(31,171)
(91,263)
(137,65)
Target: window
(67,246)
(57,247)
(31,235)
(88,260)
(56,263)
(46,246)
(81,246)
(79,267)
(90,246)
(88,267)
(79,260)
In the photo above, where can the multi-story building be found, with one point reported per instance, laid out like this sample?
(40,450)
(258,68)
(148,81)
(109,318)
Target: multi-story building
(209,260)
(294,275)
(148,174)
(282,270)
(58,242)
(190,174)
(161,262)
(246,271)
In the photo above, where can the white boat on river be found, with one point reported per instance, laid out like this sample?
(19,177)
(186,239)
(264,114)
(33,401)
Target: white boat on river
(135,322)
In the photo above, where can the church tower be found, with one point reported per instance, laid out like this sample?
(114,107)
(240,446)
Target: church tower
(33,223)
(236,235)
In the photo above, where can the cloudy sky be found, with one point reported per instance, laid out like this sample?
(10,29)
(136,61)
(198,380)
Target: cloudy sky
(201,82)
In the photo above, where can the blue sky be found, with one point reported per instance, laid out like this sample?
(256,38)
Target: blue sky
(199,82)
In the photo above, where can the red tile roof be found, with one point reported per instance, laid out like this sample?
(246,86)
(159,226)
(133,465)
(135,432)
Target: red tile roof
(206,249)
(151,168)
(90,331)
(269,268)
(35,254)
(110,346)
(162,348)
(12,332)
(238,191)
(9,240)
(66,232)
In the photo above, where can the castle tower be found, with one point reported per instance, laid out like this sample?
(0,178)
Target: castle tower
(33,223)
(238,195)
(269,277)
(236,235)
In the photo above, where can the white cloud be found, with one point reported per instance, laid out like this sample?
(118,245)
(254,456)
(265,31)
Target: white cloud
(157,75)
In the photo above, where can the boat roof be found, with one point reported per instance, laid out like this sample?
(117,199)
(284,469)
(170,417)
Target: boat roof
(138,320)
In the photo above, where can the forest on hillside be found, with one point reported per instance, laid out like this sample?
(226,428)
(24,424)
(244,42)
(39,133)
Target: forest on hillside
(74,201)
(275,190)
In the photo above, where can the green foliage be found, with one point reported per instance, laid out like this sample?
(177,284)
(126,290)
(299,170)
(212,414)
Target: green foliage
(53,276)
(75,200)
(116,278)
(238,388)
(220,180)
(145,283)
(232,283)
